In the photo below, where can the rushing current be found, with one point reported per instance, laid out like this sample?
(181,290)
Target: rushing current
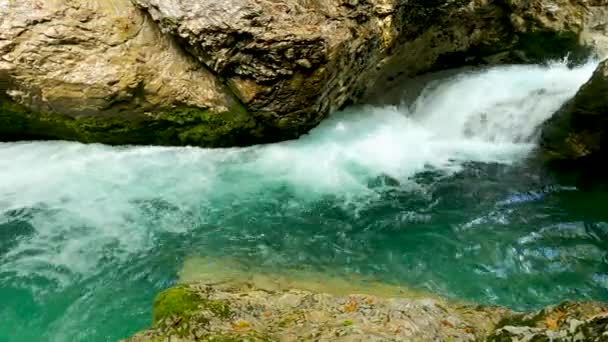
(439,194)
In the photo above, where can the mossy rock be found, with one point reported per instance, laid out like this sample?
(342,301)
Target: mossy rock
(175,126)
(182,303)
(219,308)
(176,301)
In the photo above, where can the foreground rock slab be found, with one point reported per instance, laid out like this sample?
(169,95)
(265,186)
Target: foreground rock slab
(204,312)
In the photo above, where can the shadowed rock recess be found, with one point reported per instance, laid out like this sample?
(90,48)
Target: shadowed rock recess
(576,134)
(240,72)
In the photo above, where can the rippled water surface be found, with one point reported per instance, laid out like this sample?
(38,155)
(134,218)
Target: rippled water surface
(439,195)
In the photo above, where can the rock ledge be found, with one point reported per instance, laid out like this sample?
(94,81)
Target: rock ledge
(202,312)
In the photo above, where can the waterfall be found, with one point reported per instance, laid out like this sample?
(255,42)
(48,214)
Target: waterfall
(72,213)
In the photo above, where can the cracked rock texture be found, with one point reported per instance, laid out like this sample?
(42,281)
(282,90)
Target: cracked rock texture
(240,72)
(222,312)
(101,71)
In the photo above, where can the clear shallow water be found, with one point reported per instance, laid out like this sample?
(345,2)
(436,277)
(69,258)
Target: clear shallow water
(438,195)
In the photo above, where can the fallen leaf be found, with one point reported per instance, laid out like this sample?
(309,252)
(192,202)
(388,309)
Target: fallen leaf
(447,323)
(351,306)
(551,323)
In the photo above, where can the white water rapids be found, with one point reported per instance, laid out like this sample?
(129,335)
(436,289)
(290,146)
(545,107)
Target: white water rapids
(487,116)
(93,205)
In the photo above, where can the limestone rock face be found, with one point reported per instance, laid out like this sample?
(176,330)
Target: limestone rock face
(222,312)
(240,72)
(445,34)
(291,61)
(294,61)
(578,131)
(101,71)
(232,314)
(565,322)
(595,30)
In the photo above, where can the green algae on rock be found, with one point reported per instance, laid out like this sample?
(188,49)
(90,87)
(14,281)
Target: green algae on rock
(174,126)
(213,271)
(105,73)
(179,310)
(177,301)
(299,314)
(229,301)
(261,315)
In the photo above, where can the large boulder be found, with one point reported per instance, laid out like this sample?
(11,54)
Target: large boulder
(238,72)
(578,132)
(436,35)
(294,61)
(101,71)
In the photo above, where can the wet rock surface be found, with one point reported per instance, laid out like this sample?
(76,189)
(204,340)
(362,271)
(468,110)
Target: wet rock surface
(221,312)
(565,322)
(293,62)
(240,72)
(577,132)
(101,71)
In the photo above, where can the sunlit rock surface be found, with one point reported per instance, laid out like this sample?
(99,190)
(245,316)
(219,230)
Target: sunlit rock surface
(239,306)
(240,72)
(101,71)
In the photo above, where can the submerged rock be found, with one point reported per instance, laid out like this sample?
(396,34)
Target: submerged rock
(225,300)
(221,312)
(239,72)
(578,131)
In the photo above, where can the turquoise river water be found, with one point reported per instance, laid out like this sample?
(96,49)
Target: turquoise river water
(439,195)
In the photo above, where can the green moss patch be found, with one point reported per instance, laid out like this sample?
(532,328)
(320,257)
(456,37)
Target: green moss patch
(177,126)
(177,301)
(183,303)
(219,308)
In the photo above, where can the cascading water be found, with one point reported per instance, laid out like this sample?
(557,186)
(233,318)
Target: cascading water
(436,195)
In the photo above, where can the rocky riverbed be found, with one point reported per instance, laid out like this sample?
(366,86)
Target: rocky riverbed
(222,312)
(224,301)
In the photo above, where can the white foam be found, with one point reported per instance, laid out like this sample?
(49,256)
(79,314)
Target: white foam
(92,195)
